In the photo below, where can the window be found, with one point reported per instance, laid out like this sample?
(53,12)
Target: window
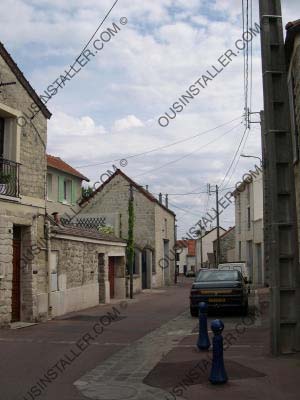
(248,218)
(166,228)
(1,137)
(248,193)
(65,190)
(294,128)
(49,186)
(240,250)
(177,256)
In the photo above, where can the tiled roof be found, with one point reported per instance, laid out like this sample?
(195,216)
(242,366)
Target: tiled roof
(181,243)
(134,184)
(24,82)
(190,244)
(85,233)
(58,163)
(191,247)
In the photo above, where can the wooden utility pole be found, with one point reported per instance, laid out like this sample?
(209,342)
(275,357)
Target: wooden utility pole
(130,239)
(280,220)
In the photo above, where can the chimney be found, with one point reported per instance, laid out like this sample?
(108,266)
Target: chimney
(56,217)
(160,198)
(167,201)
(147,188)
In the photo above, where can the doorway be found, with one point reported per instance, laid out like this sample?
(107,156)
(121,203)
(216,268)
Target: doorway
(111,276)
(16,276)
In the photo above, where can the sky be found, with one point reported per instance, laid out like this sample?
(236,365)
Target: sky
(110,109)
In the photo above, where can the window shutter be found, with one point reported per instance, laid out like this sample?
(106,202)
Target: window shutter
(74,194)
(60,189)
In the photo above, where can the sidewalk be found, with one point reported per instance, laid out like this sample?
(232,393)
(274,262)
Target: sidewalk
(253,373)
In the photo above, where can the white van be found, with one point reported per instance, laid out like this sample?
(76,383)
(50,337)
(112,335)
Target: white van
(239,266)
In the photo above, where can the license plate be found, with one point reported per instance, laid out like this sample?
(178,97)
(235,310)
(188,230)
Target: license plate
(216,300)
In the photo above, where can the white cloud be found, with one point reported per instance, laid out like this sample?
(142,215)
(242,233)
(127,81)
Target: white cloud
(164,48)
(127,123)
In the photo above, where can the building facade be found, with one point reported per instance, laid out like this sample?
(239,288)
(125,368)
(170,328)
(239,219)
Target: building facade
(227,246)
(249,242)
(154,228)
(205,248)
(22,194)
(186,255)
(64,187)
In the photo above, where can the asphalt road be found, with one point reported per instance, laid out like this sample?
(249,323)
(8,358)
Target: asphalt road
(27,354)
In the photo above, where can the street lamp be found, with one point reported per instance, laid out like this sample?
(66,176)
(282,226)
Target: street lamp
(248,156)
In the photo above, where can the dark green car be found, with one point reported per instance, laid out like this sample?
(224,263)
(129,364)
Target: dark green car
(220,289)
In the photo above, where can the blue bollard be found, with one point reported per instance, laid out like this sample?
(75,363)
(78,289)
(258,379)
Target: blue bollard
(218,374)
(203,342)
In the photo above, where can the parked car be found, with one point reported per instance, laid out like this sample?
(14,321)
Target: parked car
(220,289)
(239,266)
(190,274)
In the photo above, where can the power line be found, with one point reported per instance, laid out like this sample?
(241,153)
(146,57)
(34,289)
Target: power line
(160,147)
(239,157)
(101,23)
(188,154)
(234,157)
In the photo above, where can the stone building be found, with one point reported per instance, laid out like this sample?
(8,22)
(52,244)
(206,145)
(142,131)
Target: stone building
(205,245)
(45,269)
(249,241)
(64,185)
(186,255)
(22,193)
(292,45)
(86,268)
(154,228)
(227,246)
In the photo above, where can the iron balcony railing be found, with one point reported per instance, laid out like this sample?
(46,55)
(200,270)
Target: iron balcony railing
(9,178)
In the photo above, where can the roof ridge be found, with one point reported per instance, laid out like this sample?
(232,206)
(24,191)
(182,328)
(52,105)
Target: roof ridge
(146,193)
(24,82)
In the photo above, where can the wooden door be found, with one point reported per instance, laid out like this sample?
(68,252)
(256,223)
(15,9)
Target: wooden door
(16,283)
(111,276)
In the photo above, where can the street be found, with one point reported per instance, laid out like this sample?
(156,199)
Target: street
(148,352)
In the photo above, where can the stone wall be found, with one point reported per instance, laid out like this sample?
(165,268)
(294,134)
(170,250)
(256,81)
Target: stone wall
(25,145)
(33,261)
(295,70)
(164,230)
(149,224)
(32,138)
(83,275)
(227,245)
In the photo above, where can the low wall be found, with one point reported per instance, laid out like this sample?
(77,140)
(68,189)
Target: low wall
(68,300)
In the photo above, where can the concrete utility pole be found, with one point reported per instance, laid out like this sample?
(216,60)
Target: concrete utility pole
(218,252)
(218,227)
(280,221)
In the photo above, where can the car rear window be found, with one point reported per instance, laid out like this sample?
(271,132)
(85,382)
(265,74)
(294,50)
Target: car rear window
(217,276)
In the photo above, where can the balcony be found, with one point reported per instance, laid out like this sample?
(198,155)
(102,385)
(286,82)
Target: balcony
(9,178)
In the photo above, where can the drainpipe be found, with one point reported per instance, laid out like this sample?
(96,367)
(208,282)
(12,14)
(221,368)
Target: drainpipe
(48,240)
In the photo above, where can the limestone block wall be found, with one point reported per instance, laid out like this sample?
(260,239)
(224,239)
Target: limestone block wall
(164,230)
(295,70)
(32,138)
(32,228)
(83,275)
(114,199)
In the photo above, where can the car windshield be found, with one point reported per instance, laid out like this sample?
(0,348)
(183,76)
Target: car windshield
(217,276)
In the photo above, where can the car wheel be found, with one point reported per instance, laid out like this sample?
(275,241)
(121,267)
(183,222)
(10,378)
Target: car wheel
(194,312)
